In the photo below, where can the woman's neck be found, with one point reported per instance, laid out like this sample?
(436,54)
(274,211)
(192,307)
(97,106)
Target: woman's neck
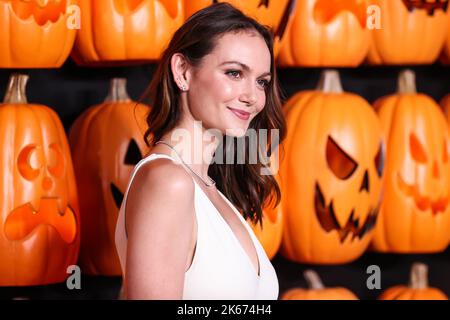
(194,144)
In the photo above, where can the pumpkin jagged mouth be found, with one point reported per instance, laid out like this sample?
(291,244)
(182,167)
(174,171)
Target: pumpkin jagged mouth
(326,10)
(329,222)
(43,11)
(264,3)
(428,6)
(117,195)
(422,202)
(24,219)
(127,6)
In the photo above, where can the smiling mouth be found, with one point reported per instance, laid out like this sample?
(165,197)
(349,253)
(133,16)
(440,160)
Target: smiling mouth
(240,114)
(329,222)
(422,202)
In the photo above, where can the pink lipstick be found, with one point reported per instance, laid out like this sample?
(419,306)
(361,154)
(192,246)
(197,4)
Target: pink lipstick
(240,114)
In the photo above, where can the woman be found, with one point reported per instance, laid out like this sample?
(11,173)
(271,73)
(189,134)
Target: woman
(178,234)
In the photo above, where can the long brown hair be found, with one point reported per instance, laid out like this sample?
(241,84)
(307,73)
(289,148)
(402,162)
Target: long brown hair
(243,184)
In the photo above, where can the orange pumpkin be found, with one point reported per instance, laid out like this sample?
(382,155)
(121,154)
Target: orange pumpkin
(35,33)
(271,233)
(403,23)
(125,31)
(113,131)
(271,13)
(326,33)
(39,218)
(417,289)
(330,173)
(272,229)
(415,211)
(317,290)
(445,104)
(446,51)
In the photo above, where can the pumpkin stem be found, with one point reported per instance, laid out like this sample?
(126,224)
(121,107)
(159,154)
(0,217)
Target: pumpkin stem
(406,83)
(15,93)
(330,82)
(118,91)
(313,280)
(419,276)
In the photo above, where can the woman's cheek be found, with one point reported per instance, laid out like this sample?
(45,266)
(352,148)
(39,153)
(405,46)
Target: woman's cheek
(226,91)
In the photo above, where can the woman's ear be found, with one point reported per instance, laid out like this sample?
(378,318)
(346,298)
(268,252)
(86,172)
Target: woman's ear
(180,71)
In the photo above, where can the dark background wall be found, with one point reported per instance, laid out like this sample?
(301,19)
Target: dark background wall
(72,89)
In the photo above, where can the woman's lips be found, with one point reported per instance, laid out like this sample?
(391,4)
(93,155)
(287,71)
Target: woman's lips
(240,114)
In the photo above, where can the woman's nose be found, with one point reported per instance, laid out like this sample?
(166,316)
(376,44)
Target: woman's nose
(249,93)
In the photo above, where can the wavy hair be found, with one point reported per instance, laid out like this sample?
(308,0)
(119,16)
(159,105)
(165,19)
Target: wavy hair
(243,184)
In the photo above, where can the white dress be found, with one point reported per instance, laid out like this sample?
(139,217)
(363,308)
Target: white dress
(221,268)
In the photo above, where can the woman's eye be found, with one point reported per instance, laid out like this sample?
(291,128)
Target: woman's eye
(234,73)
(264,83)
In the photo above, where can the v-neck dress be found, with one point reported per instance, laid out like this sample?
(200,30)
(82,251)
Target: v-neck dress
(221,269)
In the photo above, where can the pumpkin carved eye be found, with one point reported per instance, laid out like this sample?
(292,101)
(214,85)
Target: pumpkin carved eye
(264,3)
(379,160)
(133,155)
(340,163)
(25,163)
(416,149)
(57,168)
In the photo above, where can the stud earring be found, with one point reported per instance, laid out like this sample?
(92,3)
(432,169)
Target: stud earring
(183,87)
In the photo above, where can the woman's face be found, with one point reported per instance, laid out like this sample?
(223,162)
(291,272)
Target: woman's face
(227,90)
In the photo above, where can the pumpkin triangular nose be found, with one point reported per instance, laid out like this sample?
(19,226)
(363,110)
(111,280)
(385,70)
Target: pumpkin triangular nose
(365,182)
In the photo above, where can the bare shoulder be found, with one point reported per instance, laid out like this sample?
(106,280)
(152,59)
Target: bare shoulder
(165,173)
(161,181)
(160,216)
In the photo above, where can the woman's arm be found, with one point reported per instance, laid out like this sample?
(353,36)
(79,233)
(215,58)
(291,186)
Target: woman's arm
(160,218)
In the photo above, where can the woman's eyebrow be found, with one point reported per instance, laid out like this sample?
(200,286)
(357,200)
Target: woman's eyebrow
(244,66)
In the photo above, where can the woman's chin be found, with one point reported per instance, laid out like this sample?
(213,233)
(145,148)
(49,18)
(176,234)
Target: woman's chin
(236,132)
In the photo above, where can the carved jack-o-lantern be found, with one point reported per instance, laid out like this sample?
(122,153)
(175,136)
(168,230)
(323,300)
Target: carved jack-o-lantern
(113,131)
(402,23)
(123,31)
(271,232)
(331,174)
(34,34)
(415,211)
(326,33)
(445,104)
(271,13)
(39,220)
(446,52)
